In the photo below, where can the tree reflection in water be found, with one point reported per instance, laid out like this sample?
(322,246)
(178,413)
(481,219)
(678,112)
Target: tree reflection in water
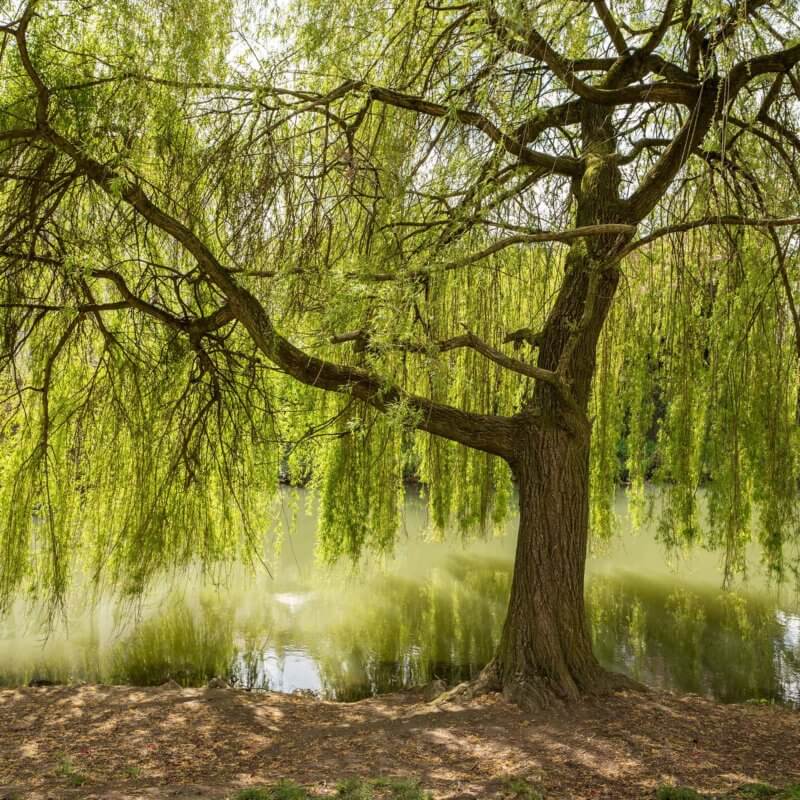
(382,632)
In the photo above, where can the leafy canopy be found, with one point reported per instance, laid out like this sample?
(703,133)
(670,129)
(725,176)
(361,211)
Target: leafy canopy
(209,210)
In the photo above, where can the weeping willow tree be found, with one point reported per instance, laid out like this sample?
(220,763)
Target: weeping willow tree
(482,242)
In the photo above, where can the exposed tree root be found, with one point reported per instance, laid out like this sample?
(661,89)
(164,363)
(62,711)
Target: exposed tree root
(487,682)
(534,693)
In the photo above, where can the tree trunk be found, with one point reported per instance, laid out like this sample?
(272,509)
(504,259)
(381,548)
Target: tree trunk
(545,652)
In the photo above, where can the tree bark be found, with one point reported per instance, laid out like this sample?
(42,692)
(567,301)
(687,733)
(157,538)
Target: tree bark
(545,651)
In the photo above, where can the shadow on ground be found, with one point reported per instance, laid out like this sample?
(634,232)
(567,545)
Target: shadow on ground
(121,742)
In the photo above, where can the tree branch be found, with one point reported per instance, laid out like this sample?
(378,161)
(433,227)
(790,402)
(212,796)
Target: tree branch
(491,433)
(563,237)
(610,24)
(362,341)
(534,45)
(727,219)
(745,71)
(563,165)
(694,130)
(654,40)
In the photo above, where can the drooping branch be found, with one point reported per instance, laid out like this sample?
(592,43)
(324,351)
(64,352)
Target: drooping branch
(773,142)
(487,432)
(705,222)
(133,301)
(195,328)
(767,119)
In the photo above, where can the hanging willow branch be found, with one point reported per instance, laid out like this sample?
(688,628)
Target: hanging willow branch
(183,242)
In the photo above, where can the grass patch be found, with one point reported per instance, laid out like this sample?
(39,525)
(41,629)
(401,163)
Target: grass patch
(285,790)
(380,789)
(520,789)
(399,789)
(757,791)
(749,791)
(66,769)
(354,789)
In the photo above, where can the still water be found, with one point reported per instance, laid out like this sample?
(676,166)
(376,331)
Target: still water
(434,609)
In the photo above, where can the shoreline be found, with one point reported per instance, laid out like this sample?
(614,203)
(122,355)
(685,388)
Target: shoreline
(123,742)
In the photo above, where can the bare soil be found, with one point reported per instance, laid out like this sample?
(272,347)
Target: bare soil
(122,742)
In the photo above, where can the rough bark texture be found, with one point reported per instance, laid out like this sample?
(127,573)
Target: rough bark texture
(545,653)
(545,650)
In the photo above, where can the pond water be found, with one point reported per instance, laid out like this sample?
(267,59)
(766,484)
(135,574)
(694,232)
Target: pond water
(433,610)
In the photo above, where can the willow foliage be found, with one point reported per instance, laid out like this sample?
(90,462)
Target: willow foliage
(141,428)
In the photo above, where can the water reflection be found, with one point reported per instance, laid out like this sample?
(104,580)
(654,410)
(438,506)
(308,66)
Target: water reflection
(188,645)
(434,612)
(726,645)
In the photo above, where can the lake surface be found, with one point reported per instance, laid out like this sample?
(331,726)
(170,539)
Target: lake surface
(433,610)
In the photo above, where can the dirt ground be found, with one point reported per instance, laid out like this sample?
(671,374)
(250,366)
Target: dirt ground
(122,742)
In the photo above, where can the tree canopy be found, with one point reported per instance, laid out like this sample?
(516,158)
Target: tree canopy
(329,241)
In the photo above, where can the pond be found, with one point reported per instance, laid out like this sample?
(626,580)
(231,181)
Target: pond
(433,610)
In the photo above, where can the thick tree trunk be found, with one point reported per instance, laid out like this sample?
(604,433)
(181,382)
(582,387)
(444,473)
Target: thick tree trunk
(545,652)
